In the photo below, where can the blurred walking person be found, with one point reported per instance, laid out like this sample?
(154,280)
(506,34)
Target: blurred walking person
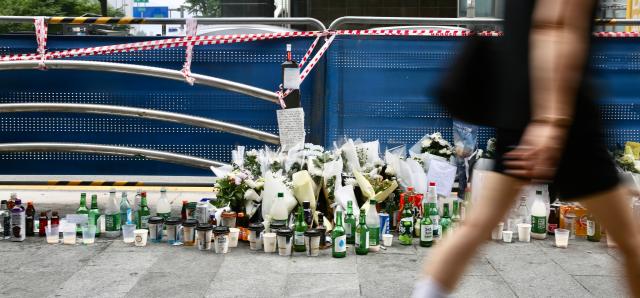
(547,125)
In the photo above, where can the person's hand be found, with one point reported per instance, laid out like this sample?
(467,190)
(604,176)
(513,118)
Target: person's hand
(538,154)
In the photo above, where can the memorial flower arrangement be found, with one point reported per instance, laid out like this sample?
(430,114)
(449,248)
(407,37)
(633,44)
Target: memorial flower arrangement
(353,171)
(435,144)
(491,149)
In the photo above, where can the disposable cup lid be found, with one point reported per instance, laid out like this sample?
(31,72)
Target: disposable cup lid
(173,220)
(221,230)
(312,233)
(156,220)
(256,226)
(204,227)
(284,232)
(190,222)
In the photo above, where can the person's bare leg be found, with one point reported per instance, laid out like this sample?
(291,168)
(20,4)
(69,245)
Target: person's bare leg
(451,257)
(613,211)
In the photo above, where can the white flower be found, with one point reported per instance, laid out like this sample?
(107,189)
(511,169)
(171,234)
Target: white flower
(390,171)
(351,181)
(253,152)
(250,183)
(237,180)
(443,142)
(426,143)
(436,135)
(378,163)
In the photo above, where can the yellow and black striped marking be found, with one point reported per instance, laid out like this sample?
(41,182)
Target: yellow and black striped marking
(95,183)
(95,20)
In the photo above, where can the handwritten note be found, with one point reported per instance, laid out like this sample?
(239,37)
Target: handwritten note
(443,174)
(291,78)
(291,127)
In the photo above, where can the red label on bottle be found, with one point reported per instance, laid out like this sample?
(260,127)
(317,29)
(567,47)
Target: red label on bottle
(551,227)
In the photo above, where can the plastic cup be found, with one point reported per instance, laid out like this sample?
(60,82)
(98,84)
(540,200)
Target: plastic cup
(53,234)
(496,234)
(562,238)
(234,233)
(507,236)
(255,236)
(88,234)
(387,240)
(269,240)
(140,237)
(69,237)
(128,233)
(284,241)
(312,242)
(221,239)
(524,232)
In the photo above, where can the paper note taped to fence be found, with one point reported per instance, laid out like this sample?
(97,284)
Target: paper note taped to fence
(443,174)
(291,127)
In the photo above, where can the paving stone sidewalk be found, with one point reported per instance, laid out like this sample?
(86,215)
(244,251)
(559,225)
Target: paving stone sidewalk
(115,269)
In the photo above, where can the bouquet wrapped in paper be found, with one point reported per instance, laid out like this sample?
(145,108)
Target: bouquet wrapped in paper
(274,183)
(432,146)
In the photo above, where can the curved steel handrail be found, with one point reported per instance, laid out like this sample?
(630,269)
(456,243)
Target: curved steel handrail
(162,156)
(412,21)
(165,21)
(142,113)
(146,71)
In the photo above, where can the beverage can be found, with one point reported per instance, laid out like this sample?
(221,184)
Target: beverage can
(202,212)
(385,225)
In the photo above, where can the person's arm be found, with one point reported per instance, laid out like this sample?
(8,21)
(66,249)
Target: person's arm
(558,53)
(559,46)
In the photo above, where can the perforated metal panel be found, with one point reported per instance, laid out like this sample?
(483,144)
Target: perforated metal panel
(256,64)
(381,88)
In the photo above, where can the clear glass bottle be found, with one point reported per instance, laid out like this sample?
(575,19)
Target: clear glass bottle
(163,208)
(125,210)
(373,224)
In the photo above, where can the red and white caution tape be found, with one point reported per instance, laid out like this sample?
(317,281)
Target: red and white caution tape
(616,34)
(160,44)
(41,38)
(192,28)
(309,51)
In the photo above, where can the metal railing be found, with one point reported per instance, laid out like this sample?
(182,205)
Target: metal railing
(412,21)
(162,156)
(447,21)
(146,71)
(141,113)
(166,21)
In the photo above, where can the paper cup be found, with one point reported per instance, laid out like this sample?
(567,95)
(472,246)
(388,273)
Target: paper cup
(140,237)
(128,233)
(562,238)
(269,240)
(507,236)
(233,237)
(496,234)
(387,240)
(524,232)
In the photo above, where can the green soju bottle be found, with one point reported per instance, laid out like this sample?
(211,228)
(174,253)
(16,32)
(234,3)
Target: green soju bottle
(405,234)
(350,224)
(362,235)
(298,234)
(445,221)
(94,214)
(82,210)
(426,231)
(338,238)
(455,218)
(143,213)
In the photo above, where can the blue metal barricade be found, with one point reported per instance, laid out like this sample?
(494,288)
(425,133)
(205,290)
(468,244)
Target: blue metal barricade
(369,88)
(256,64)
